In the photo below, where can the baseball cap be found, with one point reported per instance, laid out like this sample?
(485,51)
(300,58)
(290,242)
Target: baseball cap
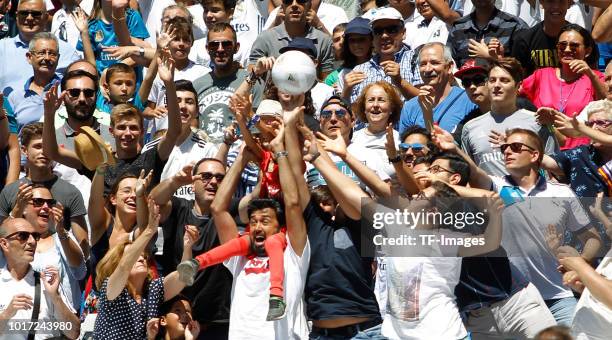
(335,99)
(269,107)
(301,44)
(358,25)
(475,65)
(385,13)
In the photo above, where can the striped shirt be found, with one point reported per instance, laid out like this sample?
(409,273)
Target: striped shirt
(248,178)
(502,26)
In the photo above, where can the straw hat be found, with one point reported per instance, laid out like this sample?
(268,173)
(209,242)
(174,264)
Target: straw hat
(91,149)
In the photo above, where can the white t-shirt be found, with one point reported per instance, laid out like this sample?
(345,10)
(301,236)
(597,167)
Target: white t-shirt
(362,138)
(330,15)
(593,319)
(251,294)
(419,32)
(151,12)
(48,312)
(199,27)
(157,95)
(63,26)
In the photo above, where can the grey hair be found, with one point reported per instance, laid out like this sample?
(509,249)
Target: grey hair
(448,54)
(42,36)
(598,106)
(43,2)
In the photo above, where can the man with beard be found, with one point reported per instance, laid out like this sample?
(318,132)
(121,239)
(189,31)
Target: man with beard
(215,88)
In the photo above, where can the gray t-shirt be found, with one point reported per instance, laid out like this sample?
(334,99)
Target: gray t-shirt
(475,138)
(65,193)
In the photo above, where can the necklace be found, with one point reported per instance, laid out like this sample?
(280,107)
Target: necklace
(563,100)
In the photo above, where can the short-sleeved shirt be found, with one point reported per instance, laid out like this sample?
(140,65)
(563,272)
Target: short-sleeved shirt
(210,294)
(447,114)
(148,160)
(340,282)
(420,32)
(409,71)
(65,193)
(124,318)
(502,26)
(534,49)
(271,41)
(103,35)
(27,105)
(104,105)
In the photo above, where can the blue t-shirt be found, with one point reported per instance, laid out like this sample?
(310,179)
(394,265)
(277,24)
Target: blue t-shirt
(103,105)
(447,114)
(103,35)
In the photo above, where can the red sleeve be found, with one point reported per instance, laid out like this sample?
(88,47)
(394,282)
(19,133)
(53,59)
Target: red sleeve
(528,88)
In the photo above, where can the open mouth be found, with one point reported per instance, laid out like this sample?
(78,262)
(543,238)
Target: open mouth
(44,216)
(131,203)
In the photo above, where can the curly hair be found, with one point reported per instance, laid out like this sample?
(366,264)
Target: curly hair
(394,99)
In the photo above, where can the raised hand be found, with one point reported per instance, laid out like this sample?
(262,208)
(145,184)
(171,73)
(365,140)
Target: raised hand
(164,38)
(57,217)
(427,97)
(310,149)
(564,123)
(80,20)
(312,18)
(24,195)
(51,279)
(184,176)
(152,328)
(390,143)
(193,328)
(277,144)
(336,145)
(229,133)
(142,183)
(353,78)
(165,69)
(153,215)
(264,64)
(443,139)
(191,236)
(120,4)
(241,106)
(52,102)
(546,115)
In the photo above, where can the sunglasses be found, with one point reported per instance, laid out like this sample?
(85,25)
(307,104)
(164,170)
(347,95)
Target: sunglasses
(599,122)
(207,176)
(515,147)
(416,147)
(25,14)
(76,93)
(562,45)
(434,169)
(393,29)
(476,80)
(214,45)
(327,114)
(290,2)
(23,236)
(39,202)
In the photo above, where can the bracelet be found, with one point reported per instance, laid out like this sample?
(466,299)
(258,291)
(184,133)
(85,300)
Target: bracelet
(395,159)
(315,156)
(280,154)
(252,78)
(63,237)
(118,19)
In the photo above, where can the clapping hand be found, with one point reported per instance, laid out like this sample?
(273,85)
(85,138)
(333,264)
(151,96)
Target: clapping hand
(191,236)
(443,139)
(24,195)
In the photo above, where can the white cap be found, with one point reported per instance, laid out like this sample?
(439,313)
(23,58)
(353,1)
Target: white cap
(269,107)
(385,13)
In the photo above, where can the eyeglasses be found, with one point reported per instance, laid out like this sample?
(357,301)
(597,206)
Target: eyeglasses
(207,176)
(434,169)
(42,54)
(214,45)
(515,147)
(290,2)
(562,45)
(476,80)
(599,122)
(25,14)
(39,202)
(416,147)
(327,114)
(23,236)
(393,29)
(75,93)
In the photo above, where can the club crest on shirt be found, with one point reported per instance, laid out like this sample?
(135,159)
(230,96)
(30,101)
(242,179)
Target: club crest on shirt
(257,265)
(99,36)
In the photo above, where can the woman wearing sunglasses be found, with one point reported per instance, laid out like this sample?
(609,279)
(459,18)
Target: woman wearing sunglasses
(571,86)
(57,246)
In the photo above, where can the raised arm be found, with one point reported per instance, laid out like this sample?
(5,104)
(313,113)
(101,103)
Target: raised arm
(242,108)
(74,254)
(119,278)
(163,192)
(120,22)
(292,145)
(80,20)
(50,147)
(51,281)
(345,191)
(443,11)
(599,286)
(166,74)
(142,185)
(404,173)
(99,217)
(172,284)
(602,30)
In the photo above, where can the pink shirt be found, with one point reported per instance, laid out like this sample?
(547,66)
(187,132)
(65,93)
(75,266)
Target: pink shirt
(545,89)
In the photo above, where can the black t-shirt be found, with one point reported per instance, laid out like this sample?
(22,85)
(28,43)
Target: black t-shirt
(210,293)
(148,160)
(534,49)
(339,282)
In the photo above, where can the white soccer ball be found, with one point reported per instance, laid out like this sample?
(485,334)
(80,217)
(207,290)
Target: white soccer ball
(294,72)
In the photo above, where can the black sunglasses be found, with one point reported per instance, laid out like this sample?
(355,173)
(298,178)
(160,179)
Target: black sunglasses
(476,80)
(23,236)
(75,93)
(207,176)
(39,202)
(327,114)
(562,45)
(393,29)
(25,14)
(599,122)
(515,147)
(214,45)
(290,2)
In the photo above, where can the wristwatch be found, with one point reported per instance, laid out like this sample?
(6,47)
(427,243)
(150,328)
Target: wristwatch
(280,154)
(395,159)
(252,78)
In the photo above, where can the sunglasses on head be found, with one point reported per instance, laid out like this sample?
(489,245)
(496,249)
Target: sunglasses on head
(327,114)
(23,236)
(290,2)
(25,14)
(562,45)
(207,176)
(599,122)
(75,93)
(393,29)
(515,147)
(478,80)
(39,202)
(214,45)
(416,147)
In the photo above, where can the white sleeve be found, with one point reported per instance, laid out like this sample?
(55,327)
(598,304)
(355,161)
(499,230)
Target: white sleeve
(271,19)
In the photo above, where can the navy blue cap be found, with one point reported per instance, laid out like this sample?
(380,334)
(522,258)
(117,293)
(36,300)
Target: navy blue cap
(335,99)
(358,25)
(301,44)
